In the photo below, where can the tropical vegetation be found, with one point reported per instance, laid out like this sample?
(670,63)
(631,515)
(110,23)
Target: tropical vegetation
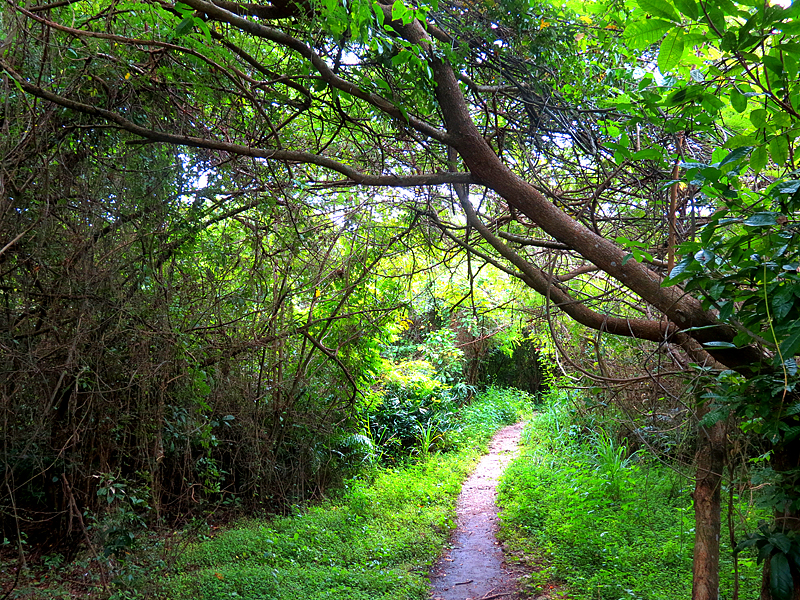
(247,248)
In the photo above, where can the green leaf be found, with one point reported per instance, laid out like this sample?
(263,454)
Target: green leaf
(735,155)
(779,150)
(728,43)
(644,33)
(737,141)
(704,256)
(671,51)
(791,344)
(744,544)
(658,8)
(759,117)
(647,154)
(184,26)
(773,63)
(688,8)
(761,219)
(758,159)
(780,577)
(398,10)
(787,187)
(716,19)
(685,94)
(738,100)
(678,269)
(781,541)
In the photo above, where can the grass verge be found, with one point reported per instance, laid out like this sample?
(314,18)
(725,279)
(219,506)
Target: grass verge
(375,541)
(599,524)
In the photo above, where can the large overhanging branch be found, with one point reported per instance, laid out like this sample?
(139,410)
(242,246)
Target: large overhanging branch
(484,165)
(656,331)
(292,156)
(685,311)
(538,280)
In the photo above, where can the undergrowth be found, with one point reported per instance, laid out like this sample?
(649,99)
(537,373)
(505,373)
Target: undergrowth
(598,522)
(374,540)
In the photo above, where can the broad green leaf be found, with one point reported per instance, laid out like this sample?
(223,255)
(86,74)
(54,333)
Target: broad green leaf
(759,118)
(716,19)
(685,94)
(744,544)
(704,256)
(735,155)
(378,13)
(678,270)
(688,8)
(647,154)
(693,165)
(738,100)
(779,150)
(758,159)
(399,10)
(791,344)
(764,552)
(782,119)
(761,219)
(787,187)
(729,42)
(737,141)
(774,64)
(184,27)
(644,33)
(658,8)
(780,577)
(671,50)
(781,541)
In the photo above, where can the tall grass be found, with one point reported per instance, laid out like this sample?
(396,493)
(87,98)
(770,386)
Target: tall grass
(599,522)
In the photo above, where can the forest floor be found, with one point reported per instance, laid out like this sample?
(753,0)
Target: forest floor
(474,567)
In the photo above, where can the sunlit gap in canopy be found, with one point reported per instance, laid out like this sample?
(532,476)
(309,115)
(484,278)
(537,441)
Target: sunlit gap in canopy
(196,178)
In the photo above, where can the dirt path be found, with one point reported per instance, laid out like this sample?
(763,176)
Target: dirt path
(474,568)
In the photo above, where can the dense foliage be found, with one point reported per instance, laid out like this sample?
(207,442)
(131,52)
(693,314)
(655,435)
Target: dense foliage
(215,215)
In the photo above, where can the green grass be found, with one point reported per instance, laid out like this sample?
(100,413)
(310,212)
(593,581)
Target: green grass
(374,541)
(601,524)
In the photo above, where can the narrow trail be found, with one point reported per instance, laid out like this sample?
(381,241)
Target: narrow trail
(474,567)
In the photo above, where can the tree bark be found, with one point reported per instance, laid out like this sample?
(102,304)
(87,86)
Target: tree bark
(710,460)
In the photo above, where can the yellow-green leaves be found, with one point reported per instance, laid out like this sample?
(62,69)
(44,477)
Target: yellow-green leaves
(671,51)
(758,159)
(688,8)
(661,19)
(738,100)
(646,32)
(779,149)
(658,8)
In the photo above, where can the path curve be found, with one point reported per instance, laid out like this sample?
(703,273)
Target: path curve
(474,567)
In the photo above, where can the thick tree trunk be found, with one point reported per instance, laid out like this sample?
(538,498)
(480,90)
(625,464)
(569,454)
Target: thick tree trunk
(707,511)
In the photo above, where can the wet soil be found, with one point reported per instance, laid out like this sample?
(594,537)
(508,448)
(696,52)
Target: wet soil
(474,567)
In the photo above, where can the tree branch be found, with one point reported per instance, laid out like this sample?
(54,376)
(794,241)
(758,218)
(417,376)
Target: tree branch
(291,156)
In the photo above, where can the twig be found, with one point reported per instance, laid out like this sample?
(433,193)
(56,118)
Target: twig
(74,507)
